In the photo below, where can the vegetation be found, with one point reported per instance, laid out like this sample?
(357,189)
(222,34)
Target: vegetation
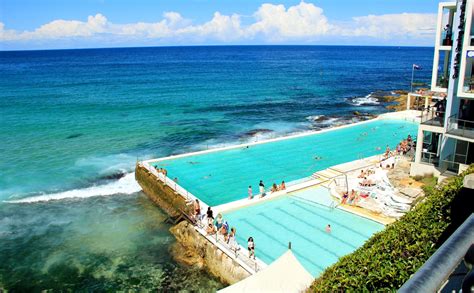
(390,257)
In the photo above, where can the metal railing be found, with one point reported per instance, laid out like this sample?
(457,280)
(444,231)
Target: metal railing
(432,117)
(251,266)
(437,269)
(429,158)
(460,127)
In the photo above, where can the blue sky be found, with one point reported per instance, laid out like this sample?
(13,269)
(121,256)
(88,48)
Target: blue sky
(30,24)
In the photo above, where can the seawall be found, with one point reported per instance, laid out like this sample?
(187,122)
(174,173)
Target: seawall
(191,248)
(161,194)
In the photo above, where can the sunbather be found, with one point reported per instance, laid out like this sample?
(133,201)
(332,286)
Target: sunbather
(210,230)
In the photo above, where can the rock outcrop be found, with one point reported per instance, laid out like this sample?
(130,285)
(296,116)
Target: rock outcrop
(195,250)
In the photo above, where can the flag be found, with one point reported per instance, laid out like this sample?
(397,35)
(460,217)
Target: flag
(417,67)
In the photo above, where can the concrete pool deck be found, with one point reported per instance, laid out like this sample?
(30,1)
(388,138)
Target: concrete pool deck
(318,179)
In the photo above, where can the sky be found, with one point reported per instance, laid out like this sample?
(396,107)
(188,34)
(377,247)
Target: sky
(56,24)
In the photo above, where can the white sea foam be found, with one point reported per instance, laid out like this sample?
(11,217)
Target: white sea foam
(367,100)
(125,185)
(107,164)
(314,117)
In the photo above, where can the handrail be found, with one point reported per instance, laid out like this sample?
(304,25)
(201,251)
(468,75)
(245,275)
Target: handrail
(221,246)
(437,269)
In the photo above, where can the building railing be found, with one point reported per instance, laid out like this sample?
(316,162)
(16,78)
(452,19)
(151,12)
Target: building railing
(429,158)
(437,269)
(460,127)
(431,116)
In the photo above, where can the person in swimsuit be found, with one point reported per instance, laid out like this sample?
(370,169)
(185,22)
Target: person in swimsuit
(219,221)
(210,229)
(274,188)
(251,247)
(282,186)
(344,197)
(197,209)
(328,228)
(250,192)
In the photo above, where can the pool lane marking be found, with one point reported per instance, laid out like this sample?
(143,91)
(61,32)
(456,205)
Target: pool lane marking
(343,225)
(279,243)
(350,245)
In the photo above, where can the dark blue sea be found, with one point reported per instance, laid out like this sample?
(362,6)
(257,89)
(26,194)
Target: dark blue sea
(74,122)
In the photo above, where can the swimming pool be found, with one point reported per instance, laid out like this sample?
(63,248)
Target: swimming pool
(301,218)
(224,176)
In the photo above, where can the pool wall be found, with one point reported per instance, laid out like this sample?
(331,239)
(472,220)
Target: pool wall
(174,200)
(162,195)
(191,248)
(409,115)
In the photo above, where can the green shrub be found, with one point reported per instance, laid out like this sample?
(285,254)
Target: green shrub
(390,257)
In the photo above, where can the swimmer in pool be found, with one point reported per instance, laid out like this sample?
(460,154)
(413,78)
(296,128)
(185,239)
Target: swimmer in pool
(193,163)
(317,158)
(207,177)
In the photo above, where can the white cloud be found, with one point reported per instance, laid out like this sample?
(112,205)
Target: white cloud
(304,22)
(393,25)
(299,21)
(220,27)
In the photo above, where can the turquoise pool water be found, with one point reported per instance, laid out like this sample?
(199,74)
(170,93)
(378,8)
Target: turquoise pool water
(302,219)
(224,176)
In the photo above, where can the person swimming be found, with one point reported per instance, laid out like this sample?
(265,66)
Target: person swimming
(317,158)
(193,163)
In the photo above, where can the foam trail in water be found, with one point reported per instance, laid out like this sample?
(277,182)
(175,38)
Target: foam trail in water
(125,185)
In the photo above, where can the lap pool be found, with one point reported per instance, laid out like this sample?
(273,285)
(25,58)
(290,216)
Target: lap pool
(301,217)
(223,176)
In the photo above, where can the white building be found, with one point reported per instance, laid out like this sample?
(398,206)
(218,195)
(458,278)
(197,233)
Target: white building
(445,143)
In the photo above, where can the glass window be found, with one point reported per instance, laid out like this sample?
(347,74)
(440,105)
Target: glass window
(443,69)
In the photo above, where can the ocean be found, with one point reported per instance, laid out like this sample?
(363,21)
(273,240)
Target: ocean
(74,122)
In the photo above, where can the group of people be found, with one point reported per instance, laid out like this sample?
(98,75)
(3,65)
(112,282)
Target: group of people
(352,197)
(405,145)
(161,170)
(261,188)
(365,176)
(221,227)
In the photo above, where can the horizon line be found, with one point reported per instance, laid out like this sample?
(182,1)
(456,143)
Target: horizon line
(217,45)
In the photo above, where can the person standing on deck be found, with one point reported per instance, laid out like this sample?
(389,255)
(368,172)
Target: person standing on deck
(197,209)
(250,192)
(261,187)
(251,247)
(210,215)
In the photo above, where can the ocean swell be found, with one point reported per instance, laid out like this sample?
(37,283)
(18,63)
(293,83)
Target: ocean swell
(125,185)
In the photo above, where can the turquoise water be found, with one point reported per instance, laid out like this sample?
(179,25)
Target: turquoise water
(224,176)
(104,244)
(72,120)
(302,222)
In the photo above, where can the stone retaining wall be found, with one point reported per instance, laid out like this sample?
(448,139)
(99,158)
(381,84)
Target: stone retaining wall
(162,195)
(191,247)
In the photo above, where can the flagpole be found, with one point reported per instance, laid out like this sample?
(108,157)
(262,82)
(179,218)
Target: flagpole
(412,74)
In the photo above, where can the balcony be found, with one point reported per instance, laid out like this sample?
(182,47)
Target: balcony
(429,158)
(432,117)
(460,127)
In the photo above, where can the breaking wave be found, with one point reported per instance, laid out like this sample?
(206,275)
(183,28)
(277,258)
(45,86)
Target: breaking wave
(125,185)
